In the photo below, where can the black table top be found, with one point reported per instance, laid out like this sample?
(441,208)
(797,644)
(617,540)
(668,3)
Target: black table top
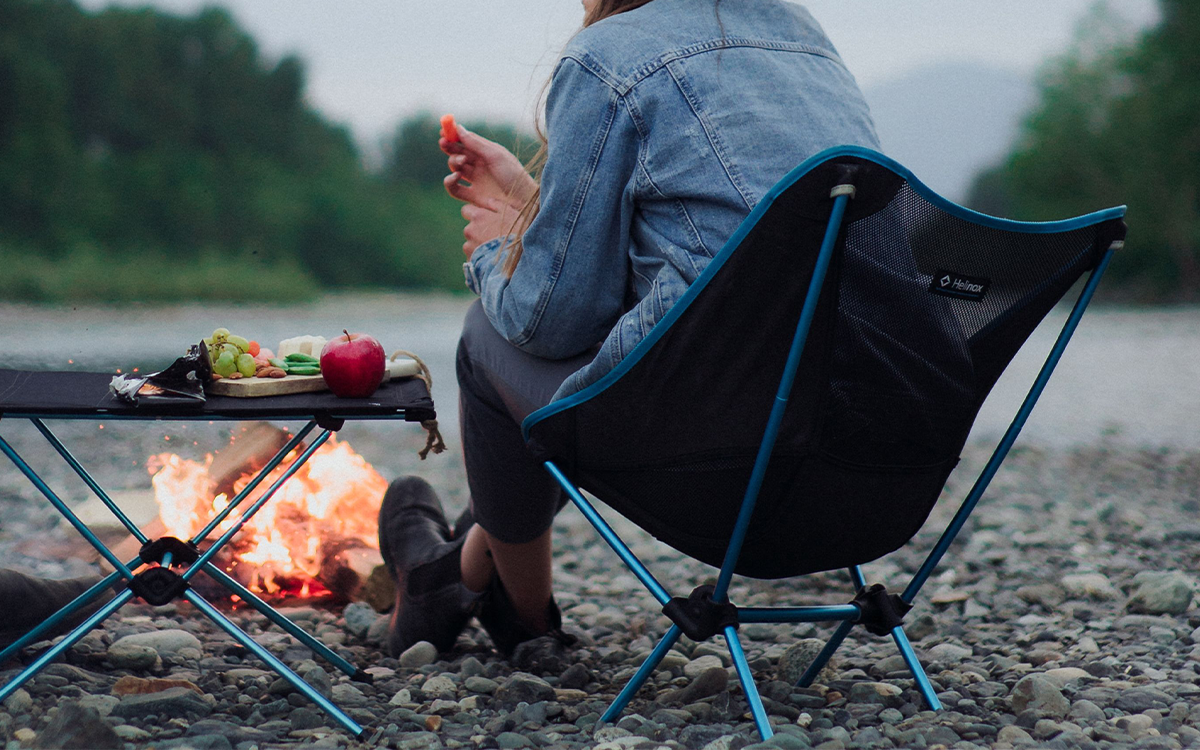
(85,395)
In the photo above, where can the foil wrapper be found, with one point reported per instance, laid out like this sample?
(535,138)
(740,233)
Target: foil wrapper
(180,384)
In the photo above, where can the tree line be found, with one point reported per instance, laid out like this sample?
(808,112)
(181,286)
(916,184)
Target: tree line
(1118,122)
(147,155)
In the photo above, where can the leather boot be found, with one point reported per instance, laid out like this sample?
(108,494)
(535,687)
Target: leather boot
(499,618)
(423,558)
(27,602)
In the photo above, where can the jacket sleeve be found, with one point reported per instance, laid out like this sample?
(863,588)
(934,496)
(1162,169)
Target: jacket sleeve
(569,287)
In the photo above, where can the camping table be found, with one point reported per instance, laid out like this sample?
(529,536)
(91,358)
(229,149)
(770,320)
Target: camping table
(37,396)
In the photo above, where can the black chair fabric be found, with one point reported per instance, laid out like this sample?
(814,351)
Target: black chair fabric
(892,377)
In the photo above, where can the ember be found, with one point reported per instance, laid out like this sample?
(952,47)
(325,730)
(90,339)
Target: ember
(285,550)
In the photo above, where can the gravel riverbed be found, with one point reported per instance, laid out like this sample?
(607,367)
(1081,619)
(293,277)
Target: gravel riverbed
(1063,617)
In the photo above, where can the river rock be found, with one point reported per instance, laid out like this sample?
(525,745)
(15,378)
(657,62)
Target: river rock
(199,742)
(522,686)
(418,655)
(876,693)
(545,655)
(697,667)
(949,653)
(164,642)
(1039,694)
(1064,676)
(359,617)
(122,655)
(232,732)
(439,686)
(75,726)
(173,702)
(318,678)
(479,684)
(1089,586)
(711,682)
(1166,592)
(795,660)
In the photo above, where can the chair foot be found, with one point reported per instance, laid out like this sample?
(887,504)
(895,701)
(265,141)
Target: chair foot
(748,687)
(914,666)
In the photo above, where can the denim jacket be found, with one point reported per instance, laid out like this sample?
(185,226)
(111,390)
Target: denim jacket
(665,126)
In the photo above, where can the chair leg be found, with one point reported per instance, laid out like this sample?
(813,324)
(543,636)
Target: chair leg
(635,683)
(914,666)
(748,687)
(826,654)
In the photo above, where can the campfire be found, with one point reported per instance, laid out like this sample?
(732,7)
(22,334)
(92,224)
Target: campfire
(315,539)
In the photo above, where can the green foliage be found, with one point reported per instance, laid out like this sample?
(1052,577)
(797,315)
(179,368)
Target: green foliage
(1118,124)
(168,147)
(89,274)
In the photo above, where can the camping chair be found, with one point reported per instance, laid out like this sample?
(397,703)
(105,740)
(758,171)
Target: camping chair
(880,315)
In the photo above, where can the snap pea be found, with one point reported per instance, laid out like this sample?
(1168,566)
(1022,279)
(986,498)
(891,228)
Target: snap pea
(299,357)
(304,370)
(276,362)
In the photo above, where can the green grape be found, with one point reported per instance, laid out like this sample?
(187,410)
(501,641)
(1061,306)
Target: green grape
(225,365)
(242,344)
(231,350)
(220,334)
(246,365)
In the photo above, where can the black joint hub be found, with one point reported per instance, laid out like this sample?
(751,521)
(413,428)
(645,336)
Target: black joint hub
(158,586)
(326,422)
(698,616)
(182,553)
(881,611)
(363,677)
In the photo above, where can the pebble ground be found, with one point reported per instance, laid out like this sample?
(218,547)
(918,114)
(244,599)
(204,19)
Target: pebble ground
(1063,617)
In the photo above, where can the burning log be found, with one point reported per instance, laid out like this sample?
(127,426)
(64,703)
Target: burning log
(352,571)
(247,453)
(311,543)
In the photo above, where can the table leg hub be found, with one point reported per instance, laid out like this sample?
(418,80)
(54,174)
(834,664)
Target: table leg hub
(158,586)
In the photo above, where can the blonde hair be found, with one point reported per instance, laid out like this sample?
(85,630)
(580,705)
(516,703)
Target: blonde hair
(515,244)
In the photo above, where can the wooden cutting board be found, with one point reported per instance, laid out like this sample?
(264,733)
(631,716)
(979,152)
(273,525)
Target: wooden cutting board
(252,387)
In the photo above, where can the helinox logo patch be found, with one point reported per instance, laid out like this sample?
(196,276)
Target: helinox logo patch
(953,284)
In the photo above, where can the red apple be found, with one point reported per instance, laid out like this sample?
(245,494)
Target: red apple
(353,365)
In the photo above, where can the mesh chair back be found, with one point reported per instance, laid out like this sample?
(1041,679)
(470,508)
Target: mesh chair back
(924,305)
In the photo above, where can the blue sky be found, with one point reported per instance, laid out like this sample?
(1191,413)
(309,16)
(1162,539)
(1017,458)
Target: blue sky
(370,62)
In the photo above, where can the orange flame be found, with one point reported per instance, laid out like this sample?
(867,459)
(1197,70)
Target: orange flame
(335,496)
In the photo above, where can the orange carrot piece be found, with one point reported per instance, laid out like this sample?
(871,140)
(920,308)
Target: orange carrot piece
(449,129)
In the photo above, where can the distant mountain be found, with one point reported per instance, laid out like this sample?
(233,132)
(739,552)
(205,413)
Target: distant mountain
(947,121)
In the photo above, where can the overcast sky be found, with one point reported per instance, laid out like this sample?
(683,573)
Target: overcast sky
(371,62)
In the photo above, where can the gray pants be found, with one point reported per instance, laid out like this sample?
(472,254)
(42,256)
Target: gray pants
(513,497)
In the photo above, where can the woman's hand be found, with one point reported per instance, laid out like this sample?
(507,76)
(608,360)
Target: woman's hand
(494,174)
(487,222)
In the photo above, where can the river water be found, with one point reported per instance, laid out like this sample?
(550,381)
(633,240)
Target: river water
(1130,376)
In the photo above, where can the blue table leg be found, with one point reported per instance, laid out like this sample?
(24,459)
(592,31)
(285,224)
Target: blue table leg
(274,663)
(70,640)
(320,649)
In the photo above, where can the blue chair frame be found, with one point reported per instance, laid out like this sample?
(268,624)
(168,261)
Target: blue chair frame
(849,614)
